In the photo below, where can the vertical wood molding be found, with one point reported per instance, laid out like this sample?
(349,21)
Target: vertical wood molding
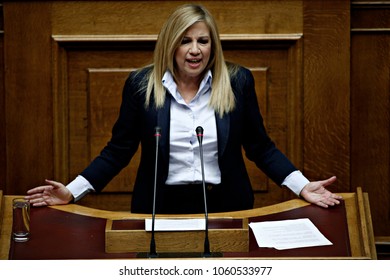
(28,96)
(3,161)
(295,99)
(60,112)
(295,134)
(327,91)
(370,107)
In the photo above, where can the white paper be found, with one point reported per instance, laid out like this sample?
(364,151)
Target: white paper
(288,234)
(175,224)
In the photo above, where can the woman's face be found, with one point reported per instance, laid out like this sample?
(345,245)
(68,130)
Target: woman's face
(193,55)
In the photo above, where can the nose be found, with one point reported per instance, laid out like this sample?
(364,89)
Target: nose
(194,49)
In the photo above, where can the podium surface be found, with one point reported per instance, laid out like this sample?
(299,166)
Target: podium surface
(77,232)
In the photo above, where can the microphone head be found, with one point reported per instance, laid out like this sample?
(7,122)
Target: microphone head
(157,131)
(199,130)
(199,134)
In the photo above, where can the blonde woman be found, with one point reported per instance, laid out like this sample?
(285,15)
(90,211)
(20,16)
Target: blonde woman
(189,84)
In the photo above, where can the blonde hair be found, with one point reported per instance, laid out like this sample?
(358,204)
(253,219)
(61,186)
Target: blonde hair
(170,37)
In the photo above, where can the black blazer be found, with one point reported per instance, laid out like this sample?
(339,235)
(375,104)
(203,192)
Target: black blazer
(241,128)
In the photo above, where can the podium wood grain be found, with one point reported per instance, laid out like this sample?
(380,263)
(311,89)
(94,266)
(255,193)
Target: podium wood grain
(225,235)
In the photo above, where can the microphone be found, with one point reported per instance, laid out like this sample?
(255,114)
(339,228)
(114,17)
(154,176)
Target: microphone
(153,253)
(199,135)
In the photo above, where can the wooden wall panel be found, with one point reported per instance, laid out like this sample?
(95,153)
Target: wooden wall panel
(3,157)
(370,100)
(82,58)
(147,17)
(28,97)
(103,102)
(326,91)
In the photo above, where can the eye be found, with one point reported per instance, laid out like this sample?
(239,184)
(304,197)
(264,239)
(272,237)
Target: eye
(185,41)
(203,41)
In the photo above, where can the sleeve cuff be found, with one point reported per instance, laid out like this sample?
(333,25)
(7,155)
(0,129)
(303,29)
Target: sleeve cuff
(79,187)
(296,181)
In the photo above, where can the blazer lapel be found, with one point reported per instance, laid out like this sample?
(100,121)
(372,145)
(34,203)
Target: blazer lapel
(223,128)
(163,121)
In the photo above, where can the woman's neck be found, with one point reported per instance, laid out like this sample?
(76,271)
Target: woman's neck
(188,88)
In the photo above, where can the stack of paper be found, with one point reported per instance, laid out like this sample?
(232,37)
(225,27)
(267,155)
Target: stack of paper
(288,234)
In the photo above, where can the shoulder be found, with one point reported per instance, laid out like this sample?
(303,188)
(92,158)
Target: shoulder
(134,88)
(240,76)
(238,72)
(137,82)
(140,75)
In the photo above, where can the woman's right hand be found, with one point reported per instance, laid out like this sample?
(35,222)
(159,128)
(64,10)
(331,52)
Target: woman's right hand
(54,193)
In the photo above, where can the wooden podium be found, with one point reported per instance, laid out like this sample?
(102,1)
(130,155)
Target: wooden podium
(76,232)
(129,235)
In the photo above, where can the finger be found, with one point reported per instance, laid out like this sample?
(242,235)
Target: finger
(334,201)
(38,194)
(53,183)
(331,201)
(39,189)
(322,204)
(39,204)
(332,196)
(33,196)
(329,181)
(336,197)
(35,190)
(37,201)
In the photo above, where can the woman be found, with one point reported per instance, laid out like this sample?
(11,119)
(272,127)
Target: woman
(189,84)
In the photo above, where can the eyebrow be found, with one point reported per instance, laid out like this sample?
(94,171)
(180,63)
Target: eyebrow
(200,37)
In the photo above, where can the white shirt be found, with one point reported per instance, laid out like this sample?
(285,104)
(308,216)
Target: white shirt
(184,159)
(184,155)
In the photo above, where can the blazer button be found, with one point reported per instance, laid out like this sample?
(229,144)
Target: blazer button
(209,187)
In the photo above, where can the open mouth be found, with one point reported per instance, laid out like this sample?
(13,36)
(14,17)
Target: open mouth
(194,61)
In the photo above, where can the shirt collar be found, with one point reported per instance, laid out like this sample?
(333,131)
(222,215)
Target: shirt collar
(170,84)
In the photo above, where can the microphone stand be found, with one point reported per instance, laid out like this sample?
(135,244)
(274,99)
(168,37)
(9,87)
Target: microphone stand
(199,134)
(153,253)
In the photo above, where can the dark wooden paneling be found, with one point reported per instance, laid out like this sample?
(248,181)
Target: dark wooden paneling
(3,157)
(103,102)
(370,100)
(28,100)
(326,91)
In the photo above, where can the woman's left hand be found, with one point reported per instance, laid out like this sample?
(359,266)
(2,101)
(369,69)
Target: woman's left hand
(316,193)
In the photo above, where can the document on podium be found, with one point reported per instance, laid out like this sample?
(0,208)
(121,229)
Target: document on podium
(175,224)
(288,234)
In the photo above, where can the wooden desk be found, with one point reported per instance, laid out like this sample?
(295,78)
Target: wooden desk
(348,226)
